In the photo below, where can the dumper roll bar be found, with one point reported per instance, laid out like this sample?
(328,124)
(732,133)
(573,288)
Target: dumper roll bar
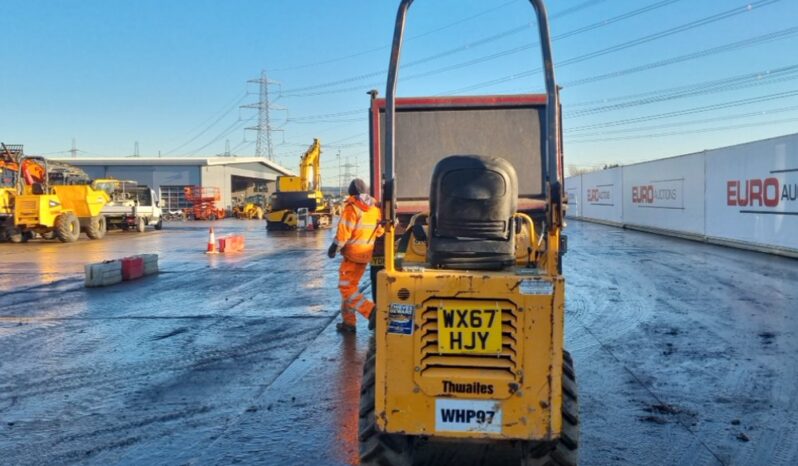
(551,149)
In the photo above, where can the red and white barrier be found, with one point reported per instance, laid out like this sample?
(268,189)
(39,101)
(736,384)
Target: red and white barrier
(118,270)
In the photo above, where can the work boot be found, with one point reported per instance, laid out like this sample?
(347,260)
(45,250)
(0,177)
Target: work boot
(343,327)
(373,320)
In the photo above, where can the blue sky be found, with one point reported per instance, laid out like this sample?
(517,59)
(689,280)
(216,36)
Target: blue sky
(109,73)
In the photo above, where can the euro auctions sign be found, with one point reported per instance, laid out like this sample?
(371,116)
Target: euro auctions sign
(752,192)
(774,194)
(599,195)
(661,194)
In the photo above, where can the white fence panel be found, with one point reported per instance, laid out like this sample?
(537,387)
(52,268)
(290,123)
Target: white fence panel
(667,194)
(601,196)
(752,192)
(573,191)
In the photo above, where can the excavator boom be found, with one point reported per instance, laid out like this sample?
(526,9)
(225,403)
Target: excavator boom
(309,166)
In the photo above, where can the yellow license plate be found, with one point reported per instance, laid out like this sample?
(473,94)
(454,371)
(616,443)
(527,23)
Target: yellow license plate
(469,327)
(378,261)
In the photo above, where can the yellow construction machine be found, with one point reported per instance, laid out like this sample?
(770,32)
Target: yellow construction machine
(59,210)
(9,155)
(253,207)
(299,199)
(467,363)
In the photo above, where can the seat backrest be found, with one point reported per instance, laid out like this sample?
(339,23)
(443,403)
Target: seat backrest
(472,202)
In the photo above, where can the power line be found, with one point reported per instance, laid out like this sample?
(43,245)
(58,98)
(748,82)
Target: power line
(682,132)
(225,111)
(303,91)
(764,74)
(756,40)
(625,45)
(669,32)
(236,125)
(615,48)
(385,46)
(735,116)
(760,78)
(690,111)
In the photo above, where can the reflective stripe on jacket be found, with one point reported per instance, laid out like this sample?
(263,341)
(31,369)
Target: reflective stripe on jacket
(358,229)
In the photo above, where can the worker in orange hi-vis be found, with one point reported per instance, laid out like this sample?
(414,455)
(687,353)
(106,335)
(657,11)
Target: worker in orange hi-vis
(358,228)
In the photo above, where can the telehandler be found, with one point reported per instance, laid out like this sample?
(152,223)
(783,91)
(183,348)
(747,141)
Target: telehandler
(467,363)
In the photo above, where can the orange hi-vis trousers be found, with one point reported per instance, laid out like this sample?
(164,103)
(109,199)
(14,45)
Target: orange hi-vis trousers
(348,279)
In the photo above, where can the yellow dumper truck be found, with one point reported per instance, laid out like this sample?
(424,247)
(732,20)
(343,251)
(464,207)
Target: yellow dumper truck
(467,363)
(62,211)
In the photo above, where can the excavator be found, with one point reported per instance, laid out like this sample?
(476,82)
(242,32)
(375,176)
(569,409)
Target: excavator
(467,362)
(300,196)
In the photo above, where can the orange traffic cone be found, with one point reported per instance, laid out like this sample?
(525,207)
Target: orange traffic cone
(211,242)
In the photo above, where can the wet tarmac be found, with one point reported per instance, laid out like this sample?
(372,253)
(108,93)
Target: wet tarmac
(685,353)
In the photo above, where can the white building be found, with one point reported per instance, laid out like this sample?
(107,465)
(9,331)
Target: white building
(236,177)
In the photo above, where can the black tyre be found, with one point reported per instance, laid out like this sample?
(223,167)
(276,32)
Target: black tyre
(49,235)
(377,448)
(159,225)
(141,224)
(18,236)
(565,452)
(67,227)
(97,227)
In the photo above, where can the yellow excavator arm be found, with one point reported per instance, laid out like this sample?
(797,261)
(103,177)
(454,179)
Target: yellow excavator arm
(310,163)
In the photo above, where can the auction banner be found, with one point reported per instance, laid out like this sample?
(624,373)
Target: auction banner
(601,195)
(752,192)
(667,194)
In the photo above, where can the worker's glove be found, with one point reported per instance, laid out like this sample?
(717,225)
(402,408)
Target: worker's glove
(332,250)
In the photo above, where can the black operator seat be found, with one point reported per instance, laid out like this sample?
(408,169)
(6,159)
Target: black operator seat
(472,202)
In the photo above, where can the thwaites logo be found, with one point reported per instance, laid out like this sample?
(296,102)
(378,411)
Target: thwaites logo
(467,388)
(664,194)
(599,195)
(767,192)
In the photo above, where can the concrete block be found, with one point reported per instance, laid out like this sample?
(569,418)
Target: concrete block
(150,263)
(103,273)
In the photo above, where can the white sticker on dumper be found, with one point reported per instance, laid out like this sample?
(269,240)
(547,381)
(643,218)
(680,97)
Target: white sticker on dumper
(468,416)
(536,287)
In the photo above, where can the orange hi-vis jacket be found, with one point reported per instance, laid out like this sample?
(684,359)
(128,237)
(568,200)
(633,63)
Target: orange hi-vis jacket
(358,228)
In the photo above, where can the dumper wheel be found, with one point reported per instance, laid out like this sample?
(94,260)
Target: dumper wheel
(18,236)
(566,451)
(97,227)
(67,227)
(377,448)
(159,225)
